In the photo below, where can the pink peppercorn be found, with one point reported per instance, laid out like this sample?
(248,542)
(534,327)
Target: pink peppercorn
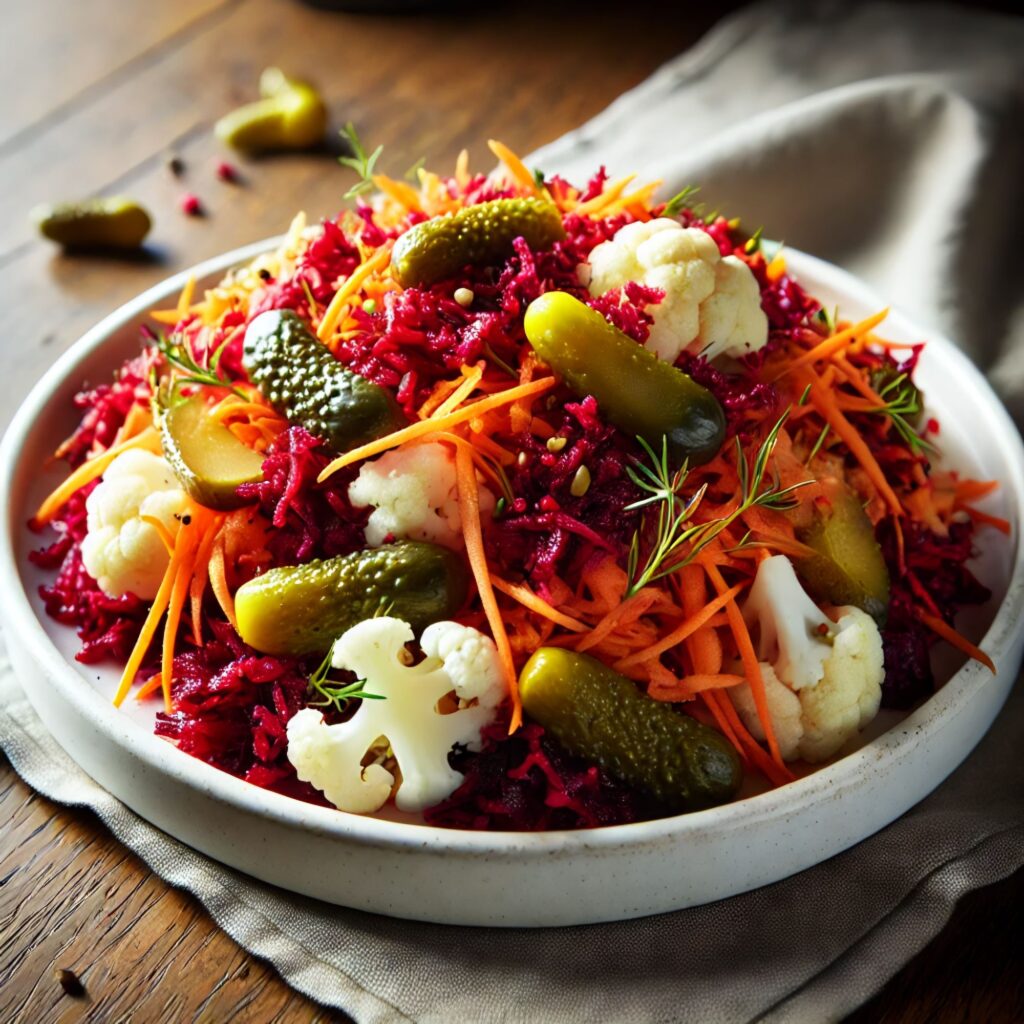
(226,171)
(190,205)
(548,504)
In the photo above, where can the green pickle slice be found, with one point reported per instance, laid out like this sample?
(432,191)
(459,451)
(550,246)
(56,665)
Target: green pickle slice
(308,386)
(638,392)
(847,566)
(602,716)
(206,457)
(303,609)
(479,235)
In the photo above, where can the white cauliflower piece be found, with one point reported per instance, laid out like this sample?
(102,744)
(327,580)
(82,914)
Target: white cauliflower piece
(459,659)
(823,680)
(414,495)
(121,551)
(783,707)
(711,305)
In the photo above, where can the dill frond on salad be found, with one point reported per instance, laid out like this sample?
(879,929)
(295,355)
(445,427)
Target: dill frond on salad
(573,497)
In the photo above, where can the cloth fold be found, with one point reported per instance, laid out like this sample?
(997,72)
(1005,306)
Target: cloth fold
(886,139)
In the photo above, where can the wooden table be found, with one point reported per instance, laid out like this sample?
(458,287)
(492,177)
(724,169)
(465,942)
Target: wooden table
(98,95)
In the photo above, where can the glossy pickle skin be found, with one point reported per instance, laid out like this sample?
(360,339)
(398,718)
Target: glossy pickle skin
(114,222)
(603,717)
(291,115)
(478,235)
(303,609)
(208,460)
(847,567)
(308,386)
(637,392)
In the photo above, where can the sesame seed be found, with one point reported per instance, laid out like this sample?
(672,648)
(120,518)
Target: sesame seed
(556,444)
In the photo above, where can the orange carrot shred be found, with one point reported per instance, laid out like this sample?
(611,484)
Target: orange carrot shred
(422,427)
(942,628)
(469,508)
(528,599)
(837,342)
(219,584)
(148,439)
(751,667)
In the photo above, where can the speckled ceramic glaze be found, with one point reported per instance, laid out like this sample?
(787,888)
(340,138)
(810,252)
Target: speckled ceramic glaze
(410,870)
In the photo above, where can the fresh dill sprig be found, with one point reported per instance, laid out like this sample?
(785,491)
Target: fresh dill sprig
(359,162)
(337,697)
(902,404)
(678,201)
(179,355)
(677,540)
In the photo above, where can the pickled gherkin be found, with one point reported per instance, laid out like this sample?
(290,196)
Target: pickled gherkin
(847,566)
(112,222)
(206,457)
(602,716)
(303,609)
(479,235)
(309,387)
(636,391)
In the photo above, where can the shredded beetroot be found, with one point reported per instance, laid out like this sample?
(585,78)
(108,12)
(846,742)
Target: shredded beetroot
(231,708)
(105,407)
(107,626)
(310,520)
(937,574)
(547,530)
(528,783)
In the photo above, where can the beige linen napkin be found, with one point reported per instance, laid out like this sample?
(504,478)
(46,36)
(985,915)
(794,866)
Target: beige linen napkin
(889,140)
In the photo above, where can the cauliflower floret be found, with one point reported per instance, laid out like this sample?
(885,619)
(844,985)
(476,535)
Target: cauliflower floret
(414,495)
(711,305)
(121,551)
(823,680)
(784,708)
(458,658)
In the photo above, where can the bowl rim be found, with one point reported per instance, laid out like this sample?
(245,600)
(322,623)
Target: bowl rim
(921,725)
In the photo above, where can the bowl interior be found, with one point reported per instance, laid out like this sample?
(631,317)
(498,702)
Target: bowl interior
(976,438)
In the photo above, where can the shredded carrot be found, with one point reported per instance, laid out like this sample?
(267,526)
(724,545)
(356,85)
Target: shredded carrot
(185,299)
(941,628)
(824,401)
(219,584)
(514,164)
(606,198)
(1002,525)
(149,687)
(422,427)
(377,262)
(148,439)
(472,378)
(162,531)
(179,592)
(686,628)
(403,194)
(528,599)
(837,342)
(469,510)
(751,667)
(689,686)
(462,168)
(146,634)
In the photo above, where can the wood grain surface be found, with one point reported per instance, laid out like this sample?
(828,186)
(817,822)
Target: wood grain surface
(97,95)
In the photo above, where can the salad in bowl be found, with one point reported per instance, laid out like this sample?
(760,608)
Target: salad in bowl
(514,505)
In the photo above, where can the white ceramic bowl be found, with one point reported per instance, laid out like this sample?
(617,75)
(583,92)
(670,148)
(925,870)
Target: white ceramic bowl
(558,878)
